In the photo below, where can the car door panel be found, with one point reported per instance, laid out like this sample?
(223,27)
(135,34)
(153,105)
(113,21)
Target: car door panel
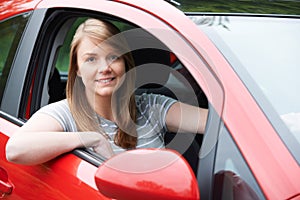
(57,179)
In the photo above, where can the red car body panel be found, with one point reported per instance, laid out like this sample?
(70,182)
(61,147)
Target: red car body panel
(267,161)
(62,183)
(11,8)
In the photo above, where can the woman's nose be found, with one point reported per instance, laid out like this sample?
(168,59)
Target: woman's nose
(104,67)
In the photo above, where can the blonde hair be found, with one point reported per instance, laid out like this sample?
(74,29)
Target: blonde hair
(125,112)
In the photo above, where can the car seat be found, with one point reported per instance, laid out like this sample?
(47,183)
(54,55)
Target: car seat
(188,144)
(56,90)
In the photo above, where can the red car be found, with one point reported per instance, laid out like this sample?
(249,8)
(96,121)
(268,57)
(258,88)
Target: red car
(243,67)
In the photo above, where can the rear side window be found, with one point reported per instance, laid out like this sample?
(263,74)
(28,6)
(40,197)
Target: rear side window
(233,178)
(11,31)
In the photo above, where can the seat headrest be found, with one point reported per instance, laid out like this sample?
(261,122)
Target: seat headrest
(151,55)
(151,65)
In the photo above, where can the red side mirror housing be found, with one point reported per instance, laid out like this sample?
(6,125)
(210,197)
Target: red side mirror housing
(147,174)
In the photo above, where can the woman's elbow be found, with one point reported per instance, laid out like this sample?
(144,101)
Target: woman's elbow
(13,152)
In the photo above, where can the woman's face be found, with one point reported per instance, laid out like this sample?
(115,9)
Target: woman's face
(100,67)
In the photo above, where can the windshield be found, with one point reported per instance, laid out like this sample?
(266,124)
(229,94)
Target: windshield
(264,51)
(287,7)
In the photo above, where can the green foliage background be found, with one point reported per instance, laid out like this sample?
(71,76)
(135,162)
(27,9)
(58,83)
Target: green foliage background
(287,7)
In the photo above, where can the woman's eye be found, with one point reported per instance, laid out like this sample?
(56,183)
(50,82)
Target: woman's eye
(90,59)
(113,58)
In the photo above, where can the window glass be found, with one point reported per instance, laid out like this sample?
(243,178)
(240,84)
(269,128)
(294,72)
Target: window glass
(11,31)
(232,177)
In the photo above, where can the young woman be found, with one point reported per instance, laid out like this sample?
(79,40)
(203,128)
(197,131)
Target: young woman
(100,111)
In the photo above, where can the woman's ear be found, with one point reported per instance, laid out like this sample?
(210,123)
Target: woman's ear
(78,73)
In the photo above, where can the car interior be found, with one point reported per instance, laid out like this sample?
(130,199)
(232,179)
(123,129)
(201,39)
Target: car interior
(158,81)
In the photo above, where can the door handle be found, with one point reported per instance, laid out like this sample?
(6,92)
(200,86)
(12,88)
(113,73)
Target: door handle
(6,186)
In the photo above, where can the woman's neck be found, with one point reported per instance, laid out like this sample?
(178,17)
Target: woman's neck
(102,106)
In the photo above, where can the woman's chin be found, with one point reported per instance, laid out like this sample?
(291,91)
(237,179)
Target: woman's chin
(104,93)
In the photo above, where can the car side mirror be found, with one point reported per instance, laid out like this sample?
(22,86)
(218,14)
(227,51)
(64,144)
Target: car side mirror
(147,174)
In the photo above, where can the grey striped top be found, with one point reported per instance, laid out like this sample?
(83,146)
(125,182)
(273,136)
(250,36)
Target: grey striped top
(150,125)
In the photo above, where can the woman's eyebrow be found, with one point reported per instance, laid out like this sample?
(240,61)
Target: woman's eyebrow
(89,54)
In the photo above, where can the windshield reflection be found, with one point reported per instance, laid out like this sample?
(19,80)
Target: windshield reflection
(265,54)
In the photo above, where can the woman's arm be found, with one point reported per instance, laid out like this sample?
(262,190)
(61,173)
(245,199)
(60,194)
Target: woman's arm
(182,117)
(42,139)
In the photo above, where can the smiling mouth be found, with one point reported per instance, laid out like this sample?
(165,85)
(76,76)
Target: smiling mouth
(105,80)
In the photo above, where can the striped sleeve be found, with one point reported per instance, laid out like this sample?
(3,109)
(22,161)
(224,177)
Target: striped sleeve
(156,106)
(164,105)
(61,112)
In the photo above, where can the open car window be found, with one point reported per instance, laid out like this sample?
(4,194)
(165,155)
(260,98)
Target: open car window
(158,71)
(175,80)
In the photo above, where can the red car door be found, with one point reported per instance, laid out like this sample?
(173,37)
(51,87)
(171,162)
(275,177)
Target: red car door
(70,176)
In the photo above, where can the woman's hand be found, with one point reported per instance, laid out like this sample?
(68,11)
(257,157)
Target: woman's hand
(97,141)
(104,148)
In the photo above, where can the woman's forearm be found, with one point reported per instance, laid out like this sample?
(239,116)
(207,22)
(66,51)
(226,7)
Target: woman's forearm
(186,118)
(37,147)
